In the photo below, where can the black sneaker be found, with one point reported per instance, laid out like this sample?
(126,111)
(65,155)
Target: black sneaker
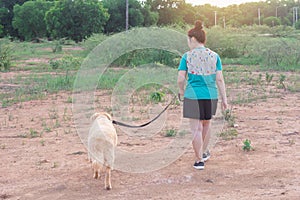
(199,165)
(206,156)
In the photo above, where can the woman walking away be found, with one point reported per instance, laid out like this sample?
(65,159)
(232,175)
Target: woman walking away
(201,70)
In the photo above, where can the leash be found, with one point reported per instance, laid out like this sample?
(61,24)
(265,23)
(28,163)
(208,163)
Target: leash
(145,124)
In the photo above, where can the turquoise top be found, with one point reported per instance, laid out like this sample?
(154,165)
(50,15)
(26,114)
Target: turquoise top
(201,65)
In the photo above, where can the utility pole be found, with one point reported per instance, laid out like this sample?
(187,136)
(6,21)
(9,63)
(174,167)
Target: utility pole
(215,18)
(295,15)
(258,12)
(127,16)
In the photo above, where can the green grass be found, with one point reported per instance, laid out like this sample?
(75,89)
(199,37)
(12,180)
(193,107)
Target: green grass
(229,134)
(253,61)
(170,133)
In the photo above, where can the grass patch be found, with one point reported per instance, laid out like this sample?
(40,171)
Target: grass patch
(171,133)
(247,145)
(229,134)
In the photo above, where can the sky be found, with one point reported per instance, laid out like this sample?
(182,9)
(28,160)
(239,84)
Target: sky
(219,3)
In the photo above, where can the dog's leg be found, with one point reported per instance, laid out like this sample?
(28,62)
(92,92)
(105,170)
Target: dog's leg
(97,169)
(107,178)
(96,174)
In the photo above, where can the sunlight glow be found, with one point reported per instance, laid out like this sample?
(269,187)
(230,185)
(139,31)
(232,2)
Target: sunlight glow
(219,3)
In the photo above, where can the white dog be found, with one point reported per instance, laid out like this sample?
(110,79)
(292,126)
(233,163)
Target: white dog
(102,141)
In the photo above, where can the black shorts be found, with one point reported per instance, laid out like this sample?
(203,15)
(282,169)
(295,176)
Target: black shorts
(202,109)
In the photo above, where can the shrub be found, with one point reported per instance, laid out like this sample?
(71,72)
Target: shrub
(5,56)
(297,25)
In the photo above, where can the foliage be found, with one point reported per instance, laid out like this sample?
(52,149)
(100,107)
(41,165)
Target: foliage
(1,29)
(269,77)
(76,20)
(6,16)
(171,133)
(271,21)
(169,10)
(29,19)
(157,96)
(282,78)
(68,62)
(146,56)
(229,134)
(247,145)
(150,18)
(229,117)
(5,56)
(138,15)
(297,25)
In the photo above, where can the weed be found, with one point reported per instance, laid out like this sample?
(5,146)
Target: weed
(292,142)
(34,133)
(247,145)
(170,133)
(47,129)
(69,100)
(282,78)
(5,57)
(229,134)
(42,142)
(229,117)
(269,77)
(57,46)
(183,133)
(24,135)
(54,165)
(157,96)
(57,124)
(53,114)
(65,116)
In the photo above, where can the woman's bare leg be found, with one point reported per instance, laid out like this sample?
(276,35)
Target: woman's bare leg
(206,133)
(196,129)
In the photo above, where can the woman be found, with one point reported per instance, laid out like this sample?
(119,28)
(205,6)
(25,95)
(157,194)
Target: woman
(203,69)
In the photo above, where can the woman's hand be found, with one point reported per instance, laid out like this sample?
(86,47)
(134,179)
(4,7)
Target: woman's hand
(224,105)
(180,96)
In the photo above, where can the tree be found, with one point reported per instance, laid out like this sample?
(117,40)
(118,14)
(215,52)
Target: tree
(150,18)
(117,11)
(271,21)
(169,12)
(206,14)
(29,19)
(7,14)
(77,19)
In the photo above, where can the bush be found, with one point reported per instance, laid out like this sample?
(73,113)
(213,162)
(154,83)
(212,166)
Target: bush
(271,21)
(66,63)
(5,56)
(297,25)
(1,30)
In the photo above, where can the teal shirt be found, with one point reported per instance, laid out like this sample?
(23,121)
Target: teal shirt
(201,65)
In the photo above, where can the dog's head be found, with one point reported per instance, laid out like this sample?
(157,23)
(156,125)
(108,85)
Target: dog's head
(104,114)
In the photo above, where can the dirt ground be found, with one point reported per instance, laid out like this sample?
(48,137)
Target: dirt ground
(43,158)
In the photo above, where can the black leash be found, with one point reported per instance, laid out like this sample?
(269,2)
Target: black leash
(142,125)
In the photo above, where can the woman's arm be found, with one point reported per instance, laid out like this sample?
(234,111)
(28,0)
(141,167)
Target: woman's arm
(222,89)
(181,81)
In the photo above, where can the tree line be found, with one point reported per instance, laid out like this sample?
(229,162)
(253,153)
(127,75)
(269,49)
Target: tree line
(79,19)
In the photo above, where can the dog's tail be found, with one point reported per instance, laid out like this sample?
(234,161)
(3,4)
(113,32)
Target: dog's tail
(94,116)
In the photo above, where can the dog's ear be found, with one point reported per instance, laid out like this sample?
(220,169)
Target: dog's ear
(94,116)
(107,115)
